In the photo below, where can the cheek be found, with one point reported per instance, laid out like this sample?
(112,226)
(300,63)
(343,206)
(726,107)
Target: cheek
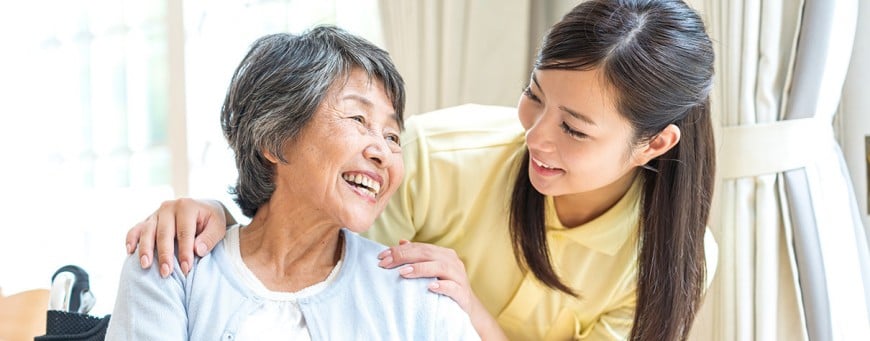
(526,113)
(596,161)
(397,172)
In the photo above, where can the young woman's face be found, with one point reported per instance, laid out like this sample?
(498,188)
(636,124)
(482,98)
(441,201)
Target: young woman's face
(577,140)
(347,162)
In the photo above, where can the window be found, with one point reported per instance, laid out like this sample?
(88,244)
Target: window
(100,126)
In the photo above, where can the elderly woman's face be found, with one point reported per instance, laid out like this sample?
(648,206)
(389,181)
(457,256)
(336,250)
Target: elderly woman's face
(347,161)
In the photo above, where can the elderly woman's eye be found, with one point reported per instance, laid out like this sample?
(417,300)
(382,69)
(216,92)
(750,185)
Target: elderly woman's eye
(359,118)
(393,138)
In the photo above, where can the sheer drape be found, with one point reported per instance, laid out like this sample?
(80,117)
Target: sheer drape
(790,252)
(458,51)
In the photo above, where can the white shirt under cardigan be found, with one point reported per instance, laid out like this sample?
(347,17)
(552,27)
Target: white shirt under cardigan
(358,301)
(279,317)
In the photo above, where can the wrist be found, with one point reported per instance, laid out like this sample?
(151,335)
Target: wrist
(484,323)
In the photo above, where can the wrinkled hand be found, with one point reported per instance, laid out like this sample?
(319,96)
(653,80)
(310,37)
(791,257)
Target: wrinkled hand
(427,260)
(191,222)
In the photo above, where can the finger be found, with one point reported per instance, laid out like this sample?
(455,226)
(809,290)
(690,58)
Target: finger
(213,231)
(166,238)
(453,290)
(146,242)
(387,252)
(433,269)
(186,220)
(133,236)
(416,252)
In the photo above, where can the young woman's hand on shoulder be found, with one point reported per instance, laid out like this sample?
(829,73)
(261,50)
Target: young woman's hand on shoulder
(426,260)
(198,224)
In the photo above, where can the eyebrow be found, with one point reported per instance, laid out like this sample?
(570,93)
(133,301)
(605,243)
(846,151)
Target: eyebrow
(578,116)
(573,113)
(368,103)
(361,99)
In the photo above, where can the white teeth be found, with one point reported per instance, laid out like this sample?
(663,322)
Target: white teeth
(371,186)
(542,165)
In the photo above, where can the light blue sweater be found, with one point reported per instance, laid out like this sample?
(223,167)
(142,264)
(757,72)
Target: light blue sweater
(364,302)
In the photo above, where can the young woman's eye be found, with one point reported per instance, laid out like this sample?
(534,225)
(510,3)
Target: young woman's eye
(576,134)
(531,95)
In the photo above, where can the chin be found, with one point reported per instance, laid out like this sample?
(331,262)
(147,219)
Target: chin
(540,188)
(359,227)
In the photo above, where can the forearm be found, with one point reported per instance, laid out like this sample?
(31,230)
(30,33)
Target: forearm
(485,325)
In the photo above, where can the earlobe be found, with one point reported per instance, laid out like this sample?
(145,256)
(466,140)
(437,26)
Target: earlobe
(269,156)
(661,143)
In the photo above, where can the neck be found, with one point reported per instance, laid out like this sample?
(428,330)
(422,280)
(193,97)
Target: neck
(291,250)
(580,208)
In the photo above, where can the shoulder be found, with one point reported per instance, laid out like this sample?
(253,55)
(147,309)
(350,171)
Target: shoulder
(361,263)
(464,126)
(386,302)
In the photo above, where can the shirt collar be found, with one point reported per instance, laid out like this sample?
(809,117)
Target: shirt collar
(607,233)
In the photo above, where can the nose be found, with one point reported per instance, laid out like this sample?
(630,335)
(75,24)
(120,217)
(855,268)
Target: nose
(540,135)
(378,152)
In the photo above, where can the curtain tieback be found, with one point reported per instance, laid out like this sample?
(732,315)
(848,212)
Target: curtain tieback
(752,150)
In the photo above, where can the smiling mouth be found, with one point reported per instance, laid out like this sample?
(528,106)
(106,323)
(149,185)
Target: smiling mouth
(368,185)
(544,165)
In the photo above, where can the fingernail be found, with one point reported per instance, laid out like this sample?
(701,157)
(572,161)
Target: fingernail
(185,268)
(406,270)
(129,248)
(164,270)
(200,249)
(433,285)
(384,253)
(144,261)
(385,261)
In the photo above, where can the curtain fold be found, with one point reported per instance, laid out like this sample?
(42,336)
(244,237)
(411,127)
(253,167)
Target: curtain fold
(791,259)
(452,52)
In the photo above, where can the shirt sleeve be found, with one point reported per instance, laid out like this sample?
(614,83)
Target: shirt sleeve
(147,306)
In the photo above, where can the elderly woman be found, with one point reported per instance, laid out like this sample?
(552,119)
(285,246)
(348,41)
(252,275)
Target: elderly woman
(314,122)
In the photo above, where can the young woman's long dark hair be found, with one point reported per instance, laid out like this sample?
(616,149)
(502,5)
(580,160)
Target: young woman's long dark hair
(658,57)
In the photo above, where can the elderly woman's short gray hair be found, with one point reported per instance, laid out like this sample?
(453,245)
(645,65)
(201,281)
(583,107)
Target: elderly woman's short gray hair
(278,87)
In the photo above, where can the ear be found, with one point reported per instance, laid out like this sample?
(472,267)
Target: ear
(269,156)
(660,144)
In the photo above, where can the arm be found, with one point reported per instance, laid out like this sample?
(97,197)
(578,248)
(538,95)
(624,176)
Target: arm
(426,260)
(199,223)
(146,307)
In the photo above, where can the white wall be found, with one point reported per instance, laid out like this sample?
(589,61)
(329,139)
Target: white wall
(854,116)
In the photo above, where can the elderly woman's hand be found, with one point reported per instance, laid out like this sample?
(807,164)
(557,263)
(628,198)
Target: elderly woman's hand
(195,224)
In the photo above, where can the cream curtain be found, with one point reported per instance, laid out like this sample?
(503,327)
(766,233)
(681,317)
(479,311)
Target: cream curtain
(458,51)
(791,257)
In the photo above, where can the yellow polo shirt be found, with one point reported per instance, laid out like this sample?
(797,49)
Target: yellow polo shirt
(460,166)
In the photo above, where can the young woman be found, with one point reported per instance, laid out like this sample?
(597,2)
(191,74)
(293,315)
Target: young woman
(585,219)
